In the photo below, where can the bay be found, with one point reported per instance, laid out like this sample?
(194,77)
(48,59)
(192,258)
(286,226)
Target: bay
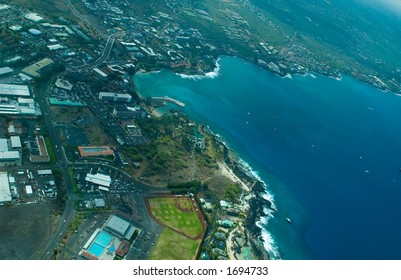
(329,150)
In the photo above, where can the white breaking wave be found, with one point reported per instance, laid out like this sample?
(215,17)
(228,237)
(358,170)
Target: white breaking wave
(210,75)
(268,241)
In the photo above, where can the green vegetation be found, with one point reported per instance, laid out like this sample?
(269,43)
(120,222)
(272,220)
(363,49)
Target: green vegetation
(177,213)
(50,150)
(74,182)
(173,246)
(76,222)
(232,192)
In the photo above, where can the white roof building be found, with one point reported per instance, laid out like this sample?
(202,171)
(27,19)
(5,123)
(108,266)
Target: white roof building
(119,227)
(28,189)
(14,90)
(99,179)
(9,156)
(15,142)
(45,172)
(3,145)
(34,17)
(55,47)
(5,193)
(5,70)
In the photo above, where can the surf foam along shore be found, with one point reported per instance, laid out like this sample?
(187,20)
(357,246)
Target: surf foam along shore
(261,202)
(209,75)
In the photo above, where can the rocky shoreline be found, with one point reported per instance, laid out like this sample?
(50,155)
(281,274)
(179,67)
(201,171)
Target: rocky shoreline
(247,233)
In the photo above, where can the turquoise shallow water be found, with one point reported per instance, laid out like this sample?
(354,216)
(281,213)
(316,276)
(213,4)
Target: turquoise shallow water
(329,151)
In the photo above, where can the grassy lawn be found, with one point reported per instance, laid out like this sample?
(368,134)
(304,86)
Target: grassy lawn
(177,213)
(174,246)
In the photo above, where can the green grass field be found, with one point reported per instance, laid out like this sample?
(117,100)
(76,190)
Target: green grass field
(174,246)
(177,213)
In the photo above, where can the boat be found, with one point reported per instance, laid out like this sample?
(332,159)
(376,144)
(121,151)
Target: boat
(288,220)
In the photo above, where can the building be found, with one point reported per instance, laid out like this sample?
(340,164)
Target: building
(100,74)
(99,179)
(99,202)
(9,156)
(34,17)
(93,151)
(5,193)
(45,172)
(116,97)
(3,145)
(125,112)
(55,47)
(34,31)
(119,227)
(14,90)
(5,70)
(28,190)
(15,142)
(123,248)
(64,84)
(43,155)
(34,69)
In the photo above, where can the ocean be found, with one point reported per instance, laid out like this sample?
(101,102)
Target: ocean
(328,150)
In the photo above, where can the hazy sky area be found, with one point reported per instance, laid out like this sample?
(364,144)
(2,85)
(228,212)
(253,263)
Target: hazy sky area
(393,6)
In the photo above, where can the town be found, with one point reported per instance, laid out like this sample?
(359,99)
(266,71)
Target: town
(78,149)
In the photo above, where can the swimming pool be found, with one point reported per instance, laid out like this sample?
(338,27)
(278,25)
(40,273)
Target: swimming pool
(96,249)
(103,239)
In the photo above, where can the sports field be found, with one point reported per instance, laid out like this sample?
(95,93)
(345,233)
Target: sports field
(177,213)
(174,246)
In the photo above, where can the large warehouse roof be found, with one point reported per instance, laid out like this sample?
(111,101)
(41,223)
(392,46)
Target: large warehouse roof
(10,155)
(14,90)
(15,141)
(117,225)
(5,193)
(99,179)
(5,70)
(3,145)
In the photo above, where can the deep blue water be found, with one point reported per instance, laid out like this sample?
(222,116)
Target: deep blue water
(329,150)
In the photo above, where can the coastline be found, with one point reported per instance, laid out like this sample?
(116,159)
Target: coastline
(250,232)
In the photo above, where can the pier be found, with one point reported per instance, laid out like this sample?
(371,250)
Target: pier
(171,100)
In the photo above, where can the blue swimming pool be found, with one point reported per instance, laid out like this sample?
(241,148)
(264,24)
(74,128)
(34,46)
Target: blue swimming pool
(96,250)
(103,239)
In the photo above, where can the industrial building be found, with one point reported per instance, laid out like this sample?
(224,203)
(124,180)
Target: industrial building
(5,153)
(14,90)
(34,69)
(99,179)
(116,97)
(5,193)
(12,107)
(15,142)
(5,70)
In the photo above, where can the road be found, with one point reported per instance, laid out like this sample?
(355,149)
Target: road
(61,164)
(104,56)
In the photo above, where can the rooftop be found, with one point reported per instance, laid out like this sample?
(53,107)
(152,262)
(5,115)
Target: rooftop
(5,193)
(117,225)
